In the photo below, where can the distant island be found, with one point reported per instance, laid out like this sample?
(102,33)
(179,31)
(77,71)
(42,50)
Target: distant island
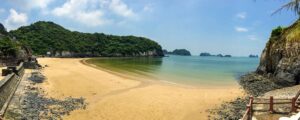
(253,56)
(227,56)
(181,52)
(206,54)
(48,38)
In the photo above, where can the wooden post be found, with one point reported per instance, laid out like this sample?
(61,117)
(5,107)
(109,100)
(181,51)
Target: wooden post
(271,109)
(249,112)
(293,109)
(250,108)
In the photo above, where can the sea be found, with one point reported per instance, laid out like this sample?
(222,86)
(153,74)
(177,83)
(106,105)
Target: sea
(191,70)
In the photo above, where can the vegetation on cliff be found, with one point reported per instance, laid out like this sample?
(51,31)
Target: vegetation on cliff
(8,47)
(43,37)
(11,51)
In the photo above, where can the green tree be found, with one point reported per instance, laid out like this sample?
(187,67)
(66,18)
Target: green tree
(8,48)
(42,37)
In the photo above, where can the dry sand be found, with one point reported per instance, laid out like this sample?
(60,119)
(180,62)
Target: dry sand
(113,97)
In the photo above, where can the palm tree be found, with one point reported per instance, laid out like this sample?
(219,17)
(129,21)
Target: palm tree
(293,5)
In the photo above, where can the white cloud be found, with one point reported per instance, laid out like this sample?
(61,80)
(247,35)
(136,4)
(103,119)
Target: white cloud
(43,4)
(120,8)
(30,4)
(93,12)
(15,19)
(80,10)
(241,29)
(242,15)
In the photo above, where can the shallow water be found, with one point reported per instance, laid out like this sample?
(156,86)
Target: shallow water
(183,69)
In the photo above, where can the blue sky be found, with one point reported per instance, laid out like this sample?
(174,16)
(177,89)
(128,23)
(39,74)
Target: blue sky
(237,27)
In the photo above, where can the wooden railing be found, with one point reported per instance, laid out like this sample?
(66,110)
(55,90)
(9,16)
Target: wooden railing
(294,102)
(249,110)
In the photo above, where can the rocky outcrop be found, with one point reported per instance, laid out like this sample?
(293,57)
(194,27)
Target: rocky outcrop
(279,63)
(281,57)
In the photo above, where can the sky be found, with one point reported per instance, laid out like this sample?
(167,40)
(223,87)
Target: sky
(236,27)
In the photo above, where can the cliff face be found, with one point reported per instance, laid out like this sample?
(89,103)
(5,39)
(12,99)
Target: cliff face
(280,59)
(279,63)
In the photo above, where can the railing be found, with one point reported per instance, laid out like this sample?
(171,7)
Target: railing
(249,112)
(294,102)
(8,87)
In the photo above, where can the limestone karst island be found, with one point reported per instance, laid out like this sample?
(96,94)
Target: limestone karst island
(150,60)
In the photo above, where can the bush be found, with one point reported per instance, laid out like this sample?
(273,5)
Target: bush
(277,31)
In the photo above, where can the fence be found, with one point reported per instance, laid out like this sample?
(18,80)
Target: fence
(9,85)
(294,103)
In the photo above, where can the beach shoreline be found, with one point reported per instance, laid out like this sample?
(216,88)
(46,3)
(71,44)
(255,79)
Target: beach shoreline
(110,96)
(142,78)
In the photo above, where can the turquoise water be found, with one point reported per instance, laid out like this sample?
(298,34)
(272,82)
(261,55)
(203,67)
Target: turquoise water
(183,69)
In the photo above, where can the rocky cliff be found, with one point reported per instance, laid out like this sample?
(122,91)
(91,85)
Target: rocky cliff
(279,63)
(281,57)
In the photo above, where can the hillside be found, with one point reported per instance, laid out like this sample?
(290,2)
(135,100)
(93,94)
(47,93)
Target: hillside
(279,63)
(48,37)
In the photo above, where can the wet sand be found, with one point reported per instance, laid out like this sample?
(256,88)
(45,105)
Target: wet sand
(114,97)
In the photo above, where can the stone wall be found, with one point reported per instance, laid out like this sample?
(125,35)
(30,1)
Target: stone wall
(8,86)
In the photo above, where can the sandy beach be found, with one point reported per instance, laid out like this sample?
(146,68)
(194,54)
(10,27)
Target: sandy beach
(114,97)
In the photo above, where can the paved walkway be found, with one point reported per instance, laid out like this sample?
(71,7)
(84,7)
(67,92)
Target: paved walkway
(14,109)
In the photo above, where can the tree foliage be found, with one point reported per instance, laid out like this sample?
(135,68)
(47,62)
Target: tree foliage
(277,31)
(8,48)
(42,37)
(293,5)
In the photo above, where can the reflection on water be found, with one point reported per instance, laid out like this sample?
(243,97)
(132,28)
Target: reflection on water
(182,69)
(130,64)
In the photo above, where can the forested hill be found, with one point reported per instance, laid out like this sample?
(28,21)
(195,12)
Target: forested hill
(48,37)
